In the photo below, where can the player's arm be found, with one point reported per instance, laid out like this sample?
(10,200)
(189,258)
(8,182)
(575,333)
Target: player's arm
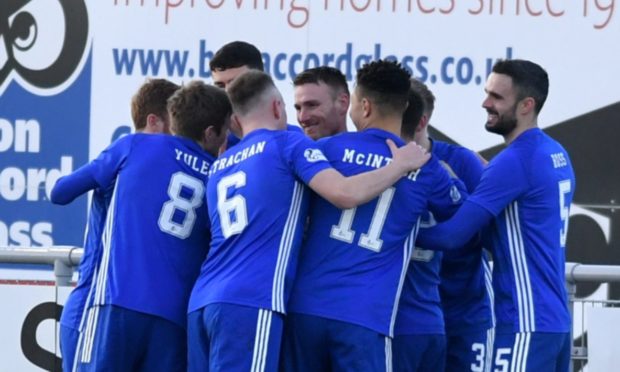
(349,192)
(501,183)
(101,172)
(457,231)
(447,192)
(69,187)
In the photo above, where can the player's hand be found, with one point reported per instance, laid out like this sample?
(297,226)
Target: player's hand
(409,157)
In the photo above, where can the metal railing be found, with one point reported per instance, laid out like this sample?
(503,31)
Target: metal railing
(62,258)
(579,273)
(65,258)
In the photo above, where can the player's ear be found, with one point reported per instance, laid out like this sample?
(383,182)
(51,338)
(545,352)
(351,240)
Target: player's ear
(343,101)
(235,126)
(152,122)
(209,133)
(212,140)
(366,107)
(527,105)
(276,108)
(422,124)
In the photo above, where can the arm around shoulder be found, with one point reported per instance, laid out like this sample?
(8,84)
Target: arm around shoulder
(349,192)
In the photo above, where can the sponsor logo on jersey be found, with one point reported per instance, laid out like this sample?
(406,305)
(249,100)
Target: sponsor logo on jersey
(314,155)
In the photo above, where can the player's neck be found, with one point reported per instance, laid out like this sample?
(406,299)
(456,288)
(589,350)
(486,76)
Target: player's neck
(519,129)
(252,125)
(388,124)
(424,141)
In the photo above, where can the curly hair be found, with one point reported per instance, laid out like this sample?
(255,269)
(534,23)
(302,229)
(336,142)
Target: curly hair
(386,83)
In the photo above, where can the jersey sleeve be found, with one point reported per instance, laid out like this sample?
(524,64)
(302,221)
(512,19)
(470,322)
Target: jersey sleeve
(71,186)
(502,181)
(99,173)
(469,169)
(447,193)
(304,156)
(457,231)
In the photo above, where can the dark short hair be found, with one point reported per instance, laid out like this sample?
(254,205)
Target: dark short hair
(151,98)
(330,76)
(246,90)
(529,79)
(237,54)
(426,94)
(386,83)
(413,113)
(195,107)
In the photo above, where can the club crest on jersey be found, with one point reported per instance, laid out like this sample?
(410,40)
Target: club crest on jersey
(314,155)
(455,194)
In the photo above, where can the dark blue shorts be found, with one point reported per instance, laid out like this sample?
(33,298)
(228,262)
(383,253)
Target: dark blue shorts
(119,339)
(418,353)
(313,343)
(532,351)
(226,337)
(470,351)
(68,344)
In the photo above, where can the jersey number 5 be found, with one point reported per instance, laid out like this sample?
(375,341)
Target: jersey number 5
(565,188)
(370,240)
(180,202)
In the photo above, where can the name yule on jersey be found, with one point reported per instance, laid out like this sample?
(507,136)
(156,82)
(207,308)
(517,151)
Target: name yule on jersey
(239,156)
(372,160)
(192,161)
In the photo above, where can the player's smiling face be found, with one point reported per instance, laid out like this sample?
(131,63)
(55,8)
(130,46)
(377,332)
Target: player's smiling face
(317,110)
(500,104)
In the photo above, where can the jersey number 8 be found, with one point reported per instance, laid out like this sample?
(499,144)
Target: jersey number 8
(179,202)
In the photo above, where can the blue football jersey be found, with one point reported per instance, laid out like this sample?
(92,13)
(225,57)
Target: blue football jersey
(156,232)
(465,296)
(74,306)
(419,310)
(257,206)
(529,187)
(354,261)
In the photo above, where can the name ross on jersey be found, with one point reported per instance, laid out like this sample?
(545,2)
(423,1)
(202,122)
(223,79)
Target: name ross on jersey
(371,160)
(238,157)
(559,160)
(192,161)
